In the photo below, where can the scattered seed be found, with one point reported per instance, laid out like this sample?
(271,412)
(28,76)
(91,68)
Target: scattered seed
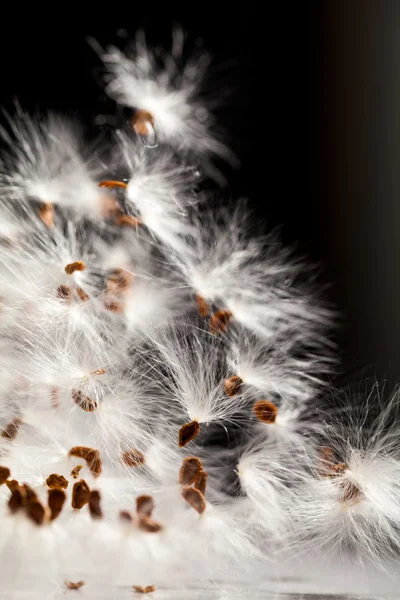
(64,293)
(11,429)
(220,320)
(113,306)
(98,372)
(91,456)
(46,215)
(4,474)
(201,482)
(265,411)
(119,281)
(12,484)
(75,471)
(81,294)
(84,402)
(189,471)
(36,512)
(74,586)
(111,183)
(80,494)
(187,433)
(144,506)
(57,481)
(16,501)
(133,458)
(232,386)
(141,119)
(202,306)
(94,505)
(125,515)
(148,525)
(56,499)
(78,265)
(194,498)
(139,589)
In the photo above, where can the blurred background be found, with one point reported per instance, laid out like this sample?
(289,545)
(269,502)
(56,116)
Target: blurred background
(313,110)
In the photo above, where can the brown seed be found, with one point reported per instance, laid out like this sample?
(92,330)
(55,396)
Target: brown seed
(75,266)
(142,122)
(148,525)
(139,589)
(202,306)
(81,294)
(126,516)
(12,484)
(75,471)
(4,474)
(188,473)
(111,183)
(11,429)
(201,482)
(84,402)
(46,215)
(17,500)
(265,411)
(351,493)
(91,456)
(94,505)
(36,512)
(98,372)
(233,385)
(29,494)
(127,221)
(133,458)
(64,293)
(74,586)
(144,506)
(195,498)
(220,320)
(119,281)
(187,433)
(113,306)
(56,501)
(57,481)
(80,494)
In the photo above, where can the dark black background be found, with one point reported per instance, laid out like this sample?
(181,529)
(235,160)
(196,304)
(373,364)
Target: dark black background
(312,114)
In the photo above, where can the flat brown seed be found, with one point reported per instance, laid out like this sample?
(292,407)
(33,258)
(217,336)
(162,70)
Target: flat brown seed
(148,525)
(91,456)
(111,183)
(64,292)
(265,411)
(144,506)
(46,215)
(113,306)
(57,481)
(187,433)
(133,458)
(202,306)
(11,429)
(36,512)
(142,121)
(4,474)
(127,221)
(98,372)
(191,467)
(29,494)
(94,505)
(12,484)
(56,501)
(81,294)
(232,386)
(119,281)
(16,501)
(84,402)
(74,586)
(125,516)
(80,494)
(220,320)
(139,589)
(195,499)
(78,265)
(76,470)
(201,482)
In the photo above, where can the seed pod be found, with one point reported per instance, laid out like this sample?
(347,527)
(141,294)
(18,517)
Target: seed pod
(133,458)
(194,498)
(144,506)
(56,499)
(187,433)
(265,411)
(57,481)
(220,320)
(94,505)
(189,471)
(4,474)
(80,494)
(78,265)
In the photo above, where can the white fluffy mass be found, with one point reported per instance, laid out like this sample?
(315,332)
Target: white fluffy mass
(163,367)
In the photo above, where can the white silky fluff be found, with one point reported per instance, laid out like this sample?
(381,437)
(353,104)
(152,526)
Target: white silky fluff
(107,342)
